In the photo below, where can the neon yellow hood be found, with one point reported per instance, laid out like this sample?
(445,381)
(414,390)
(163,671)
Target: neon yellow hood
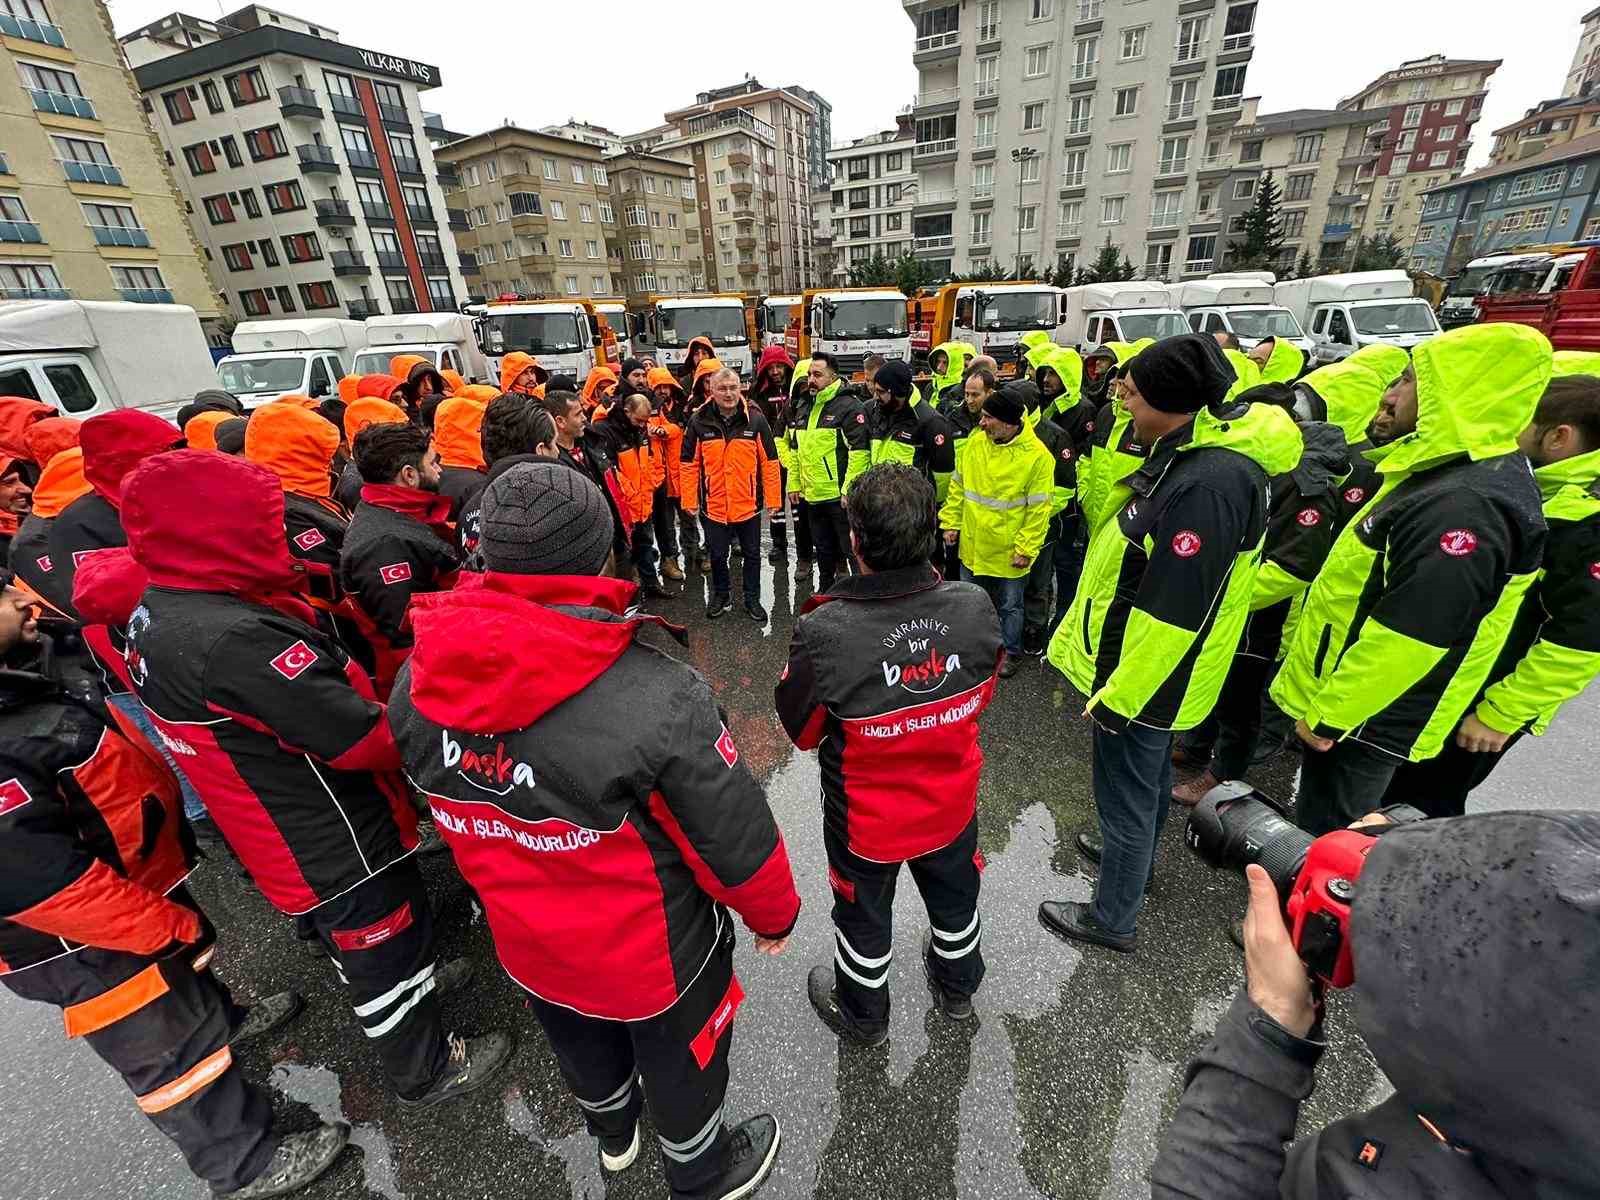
(1385,361)
(801,370)
(1068,367)
(1263,433)
(1477,388)
(1579,472)
(956,355)
(1352,393)
(1576,362)
(1285,363)
(1245,372)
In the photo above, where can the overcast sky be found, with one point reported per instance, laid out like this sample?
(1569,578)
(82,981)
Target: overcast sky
(540,62)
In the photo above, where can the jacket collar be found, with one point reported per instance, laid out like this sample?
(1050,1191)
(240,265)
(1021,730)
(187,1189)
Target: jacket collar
(431,508)
(1581,469)
(27,674)
(880,585)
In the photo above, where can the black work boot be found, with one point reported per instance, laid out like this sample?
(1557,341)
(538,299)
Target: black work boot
(752,1149)
(299,1160)
(957,1008)
(472,1063)
(265,1015)
(824,998)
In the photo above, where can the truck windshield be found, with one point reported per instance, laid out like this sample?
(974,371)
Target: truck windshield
(618,322)
(1403,316)
(1470,282)
(1509,280)
(777,317)
(1264,323)
(1018,310)
(535,333)
(263,374)
(865,319)
(1151,325)
(376,362)
(724,326)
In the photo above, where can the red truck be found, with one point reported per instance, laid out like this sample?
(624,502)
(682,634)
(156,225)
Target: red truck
(1556,292)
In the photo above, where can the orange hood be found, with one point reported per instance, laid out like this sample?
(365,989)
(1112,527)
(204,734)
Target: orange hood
(45,439)
(481,392)
(347,388)
(201,431)
(456,432)
(453,383)
(295,444)
(591,386)
(16,414)
(515,364)
(702,341)
(400,365)
(61,483)
(370,410)
(707,366)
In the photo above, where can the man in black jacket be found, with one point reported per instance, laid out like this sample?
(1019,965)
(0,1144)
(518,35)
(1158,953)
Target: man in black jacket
(1477,946)
(584,454)
(516,428)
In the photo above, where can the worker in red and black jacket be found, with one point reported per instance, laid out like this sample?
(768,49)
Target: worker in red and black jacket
(888,674)
(605,864)
(400,541)
(279,732)
(95,919)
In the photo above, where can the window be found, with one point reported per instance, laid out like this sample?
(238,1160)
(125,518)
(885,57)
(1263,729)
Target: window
(1166,210)
(1250,152)
(255,302)
(1036,62)
(491,170)
(1028,218)
(570,282)
(301,247)
(28,277)
(1406,141)
(142,280)
(981,225)
(599,174)
(1119,158)
(1308,147)
(237,257)
(1205,203)
(1040,10)
(981,181)
(989,21)
(1069,218)
(218,210)
(564,247)
(198,157)
(1453,108)
(208,89)
(606,214)
(550,169)
(1080,112)
(1294,223)
(987,77)
(1085,57)
(591,248)
(1413,116)
(1074,164)
(1244,189)
(1174,155)
(178,107)
(1133,42)
(1551,180)
(1564,216)
(405,153)
(526,204)
(577,172)
(1029,169)
(1577,176)
(246,87)
(1448,133)
(558,210)
(983,125)
(1181,95)
(1440,159)
(508,250)
(1158,260)
(470,175)
(283,197)
(1033,117)
(55,90)
(1113,210)
(1299,187)
(672,217)
(265,143)
(1193,33)
(230,151)
(358,147)
(586,213)
(1202,254)
(501,211)
(488,253)
(1127,101)
(252,206)
(635,214)
(401,297)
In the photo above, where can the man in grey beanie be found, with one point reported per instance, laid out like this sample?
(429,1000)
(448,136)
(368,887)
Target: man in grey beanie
(604,864)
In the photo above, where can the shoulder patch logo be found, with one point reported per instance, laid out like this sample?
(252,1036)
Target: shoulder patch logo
(1370,1155)
(1066,454)
(395,572)
(861,418)
(1186,543)
(309,539)
(938,439)
(13,796)
(45,564)
(294,661)
(1458,543)
(1354,495)
(1308,517)
(726,748)
(1594,570)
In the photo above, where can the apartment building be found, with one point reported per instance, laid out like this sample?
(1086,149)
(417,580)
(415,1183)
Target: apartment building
(1045,128)
(658,247)
(871,198)
(1553,196)
(88,208)
(539,214)
(1422,115)
(751,150)
(1547,124)
(609,141)
(1585,68)
(306,168)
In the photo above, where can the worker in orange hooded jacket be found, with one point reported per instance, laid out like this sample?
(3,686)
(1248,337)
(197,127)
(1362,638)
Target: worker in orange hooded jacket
(675,528)
(624,434)
(520,372)
(371,406)
(457,435)
(598,388)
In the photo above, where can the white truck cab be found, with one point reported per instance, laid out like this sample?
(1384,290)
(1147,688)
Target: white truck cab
(855,322)
(304,357)
(1344,312)
(1096,313)
(556,332)
(1458,308)
(772,317)
(1242,305)
(677,320)
(447,340)
(992,316)
(623,323)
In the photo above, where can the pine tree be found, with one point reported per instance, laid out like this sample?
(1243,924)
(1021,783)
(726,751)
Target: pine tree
(910,273)
(1383,253)
(1263,230)
(1107,264)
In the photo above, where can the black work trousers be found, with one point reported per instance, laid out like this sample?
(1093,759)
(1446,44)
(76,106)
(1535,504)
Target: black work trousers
(863,922)
(164,1027)
(719,539)
(380,937)
(1341,785)
(642,552)
(1238,715)
(682,1057)
(802,523)
(1439,785)
(673,527)
(830,531)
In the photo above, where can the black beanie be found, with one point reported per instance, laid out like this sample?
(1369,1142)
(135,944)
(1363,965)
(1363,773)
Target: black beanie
(629,366)
(1026,392)
(544,519)
(894,378)
(229,435)
(1182,374)
(1004,405)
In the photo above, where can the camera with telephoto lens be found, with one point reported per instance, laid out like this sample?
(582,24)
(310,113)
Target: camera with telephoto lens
(1236,825)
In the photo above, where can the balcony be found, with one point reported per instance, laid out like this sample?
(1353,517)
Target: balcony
(1072,178)
(299,102)
(314,158)
(1071,230)
(1173,166)
(749,269)
(949,39)
(469,265)
(407,166)
(1085,70)
(1180,110)
(146,295)
(1077,126)
(1217,162)
(421,216)
(120,235)
(985,88)
(1166,220)
(1337,233)
(391,115)
(403,306)
(939,196)
(78,171)
(447,175)
(740,160)
(744,243)
(1185,52)
(989,33)
(391,260)
(350,262)
(742,189)
(1224,104)
(980,238)
(380,214)
(360,310)
(456,219)
(347,108)
(948,95)
(26,232)
(31,31)
(943,241)
(1090,10)
(361,160)
(334,214)
(61,103)
(928,149)
(1238,41)
(8,293)
(982,191)
(1199,266)
(433,262)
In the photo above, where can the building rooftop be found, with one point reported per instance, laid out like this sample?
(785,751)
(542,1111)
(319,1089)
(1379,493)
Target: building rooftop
(508,134)
(1576,148)
(1306,118)
(1546,108)
(272,39)
(1418,68)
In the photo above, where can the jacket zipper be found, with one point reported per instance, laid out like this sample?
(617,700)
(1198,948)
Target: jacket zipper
(1088,606)
(1322,649)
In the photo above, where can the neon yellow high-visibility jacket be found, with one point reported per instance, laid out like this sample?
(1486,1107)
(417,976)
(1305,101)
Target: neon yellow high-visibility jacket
(1418,596)
(1034,343)
(1383,360)
(1114,451)
(1285,364)
(1576,362)
(1246,374)
(825,445)
(1166,583)
(1000,501)
(956,356)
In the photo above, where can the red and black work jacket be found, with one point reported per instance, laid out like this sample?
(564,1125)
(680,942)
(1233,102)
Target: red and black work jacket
(589,789)
(888,674)
(90,830)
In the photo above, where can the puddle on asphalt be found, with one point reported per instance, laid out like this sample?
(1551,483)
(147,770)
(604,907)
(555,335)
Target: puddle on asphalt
(575,1150)
(319,1089)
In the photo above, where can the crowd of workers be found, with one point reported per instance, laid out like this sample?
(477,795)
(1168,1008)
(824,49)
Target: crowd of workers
(282,634)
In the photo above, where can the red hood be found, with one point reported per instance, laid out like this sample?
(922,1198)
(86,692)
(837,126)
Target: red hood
(773,354)
(492,656)
(47,438)
(170,508)
(107,586)
(116,443)
(16,414)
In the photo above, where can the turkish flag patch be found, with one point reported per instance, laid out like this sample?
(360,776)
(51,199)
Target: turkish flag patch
(726,748)
(78,556)
(1186,543)
(1458,543)
(13,796)
(395,572)
(1355,495)
(309,539)
(1308,517)
(45,564)
(292,663)
(1594,570)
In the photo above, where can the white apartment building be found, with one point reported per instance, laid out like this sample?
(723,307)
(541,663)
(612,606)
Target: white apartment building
(1585,68)
(1045,128)
(870,204)
(305,165)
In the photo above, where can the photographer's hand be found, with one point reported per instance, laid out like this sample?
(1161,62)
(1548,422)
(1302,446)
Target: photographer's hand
(1303,732)
(1274,974)
(769,946)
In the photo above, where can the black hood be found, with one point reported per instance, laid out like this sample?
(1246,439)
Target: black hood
(1324,462)
(1477,952)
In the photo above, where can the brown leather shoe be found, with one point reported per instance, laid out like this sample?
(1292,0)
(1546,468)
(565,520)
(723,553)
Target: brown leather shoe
(670,569)
(1184,756)
(1191,793)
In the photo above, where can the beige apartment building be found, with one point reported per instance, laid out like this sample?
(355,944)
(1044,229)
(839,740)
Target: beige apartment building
(658,247)
(88,206)
(1545,126)
(540,217)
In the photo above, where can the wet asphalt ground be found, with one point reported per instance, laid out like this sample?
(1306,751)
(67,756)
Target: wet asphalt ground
(1061,1089)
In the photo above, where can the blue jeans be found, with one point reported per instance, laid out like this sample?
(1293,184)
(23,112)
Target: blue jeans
(1132,791)
(128,705)
(1007,597)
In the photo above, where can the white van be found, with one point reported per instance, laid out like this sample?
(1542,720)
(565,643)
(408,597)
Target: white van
(304,357)
(1362,308)
(447,340)
(1096,313)
(1242,305)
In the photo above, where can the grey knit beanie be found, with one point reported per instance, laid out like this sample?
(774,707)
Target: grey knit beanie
(544,519)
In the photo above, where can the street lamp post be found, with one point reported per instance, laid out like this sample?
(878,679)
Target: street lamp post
(1019,156)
